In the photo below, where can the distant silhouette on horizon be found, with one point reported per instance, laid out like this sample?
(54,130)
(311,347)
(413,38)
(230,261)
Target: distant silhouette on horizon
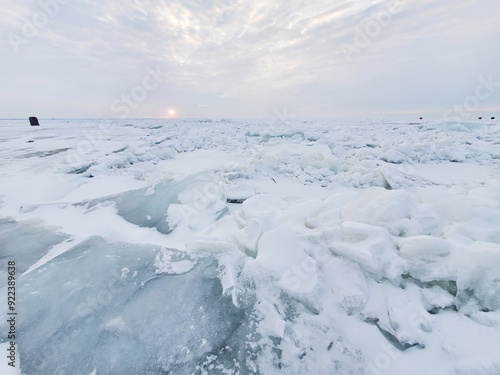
(34,121)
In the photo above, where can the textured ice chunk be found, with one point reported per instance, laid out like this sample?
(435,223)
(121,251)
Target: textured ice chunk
(239,193)
(399,314)
(394,156)
(425,221)
(377,206)
(478,277)
(248,237)
(429,258)
(371,247)
(485,226)
(424,247)
(436,297)
(347,283)
(282,253)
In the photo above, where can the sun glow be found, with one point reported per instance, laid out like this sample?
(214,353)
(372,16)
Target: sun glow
(171,113)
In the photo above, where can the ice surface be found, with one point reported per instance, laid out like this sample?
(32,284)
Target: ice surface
(26,242)
(81,311)
(358,248)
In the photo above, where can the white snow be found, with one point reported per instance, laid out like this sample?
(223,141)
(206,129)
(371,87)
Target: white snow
(245,247)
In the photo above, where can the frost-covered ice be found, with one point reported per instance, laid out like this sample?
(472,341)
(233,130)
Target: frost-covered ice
(252,247)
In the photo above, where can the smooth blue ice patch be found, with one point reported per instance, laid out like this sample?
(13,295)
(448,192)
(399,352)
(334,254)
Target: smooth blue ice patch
(24,243)
(102,306)
(147,207)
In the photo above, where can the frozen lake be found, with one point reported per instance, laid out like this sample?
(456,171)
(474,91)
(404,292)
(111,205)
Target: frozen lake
(251,247)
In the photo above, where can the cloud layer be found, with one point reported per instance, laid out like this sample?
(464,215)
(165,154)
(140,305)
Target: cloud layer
(246,58)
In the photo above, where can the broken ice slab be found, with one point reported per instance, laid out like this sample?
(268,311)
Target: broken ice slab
(239,193)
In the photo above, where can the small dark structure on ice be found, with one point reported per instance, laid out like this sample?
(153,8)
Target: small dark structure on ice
(34,121)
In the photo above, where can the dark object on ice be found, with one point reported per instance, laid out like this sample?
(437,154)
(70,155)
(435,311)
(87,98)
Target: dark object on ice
(235,201)
(34,121)
(492,118)
(421,118)
(479,118)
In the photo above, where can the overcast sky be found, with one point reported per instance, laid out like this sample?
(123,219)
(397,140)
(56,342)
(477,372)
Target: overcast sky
(248,58)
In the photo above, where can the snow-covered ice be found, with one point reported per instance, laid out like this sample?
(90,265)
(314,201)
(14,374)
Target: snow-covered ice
(251,247)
